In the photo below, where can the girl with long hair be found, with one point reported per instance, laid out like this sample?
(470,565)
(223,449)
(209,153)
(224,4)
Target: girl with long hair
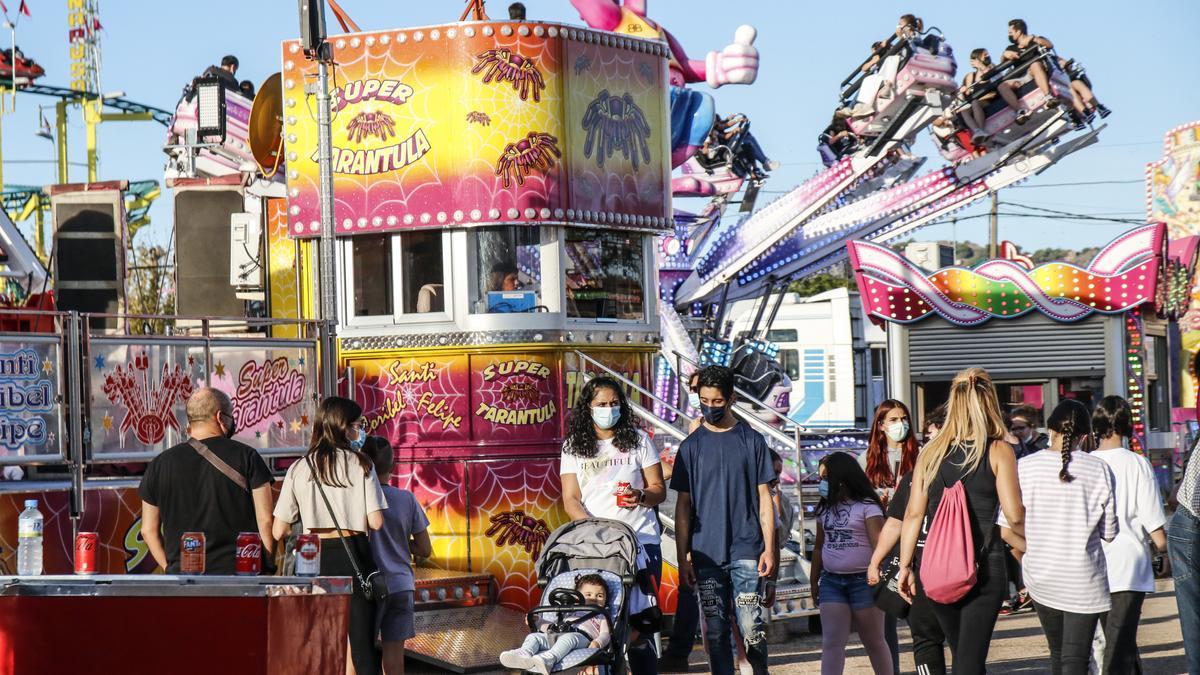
(968,448)
(1069,509)
(336,465)
(892,450)
(849,518)
(1140,517)
(609,469)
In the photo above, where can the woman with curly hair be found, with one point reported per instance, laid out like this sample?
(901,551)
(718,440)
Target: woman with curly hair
(610,469)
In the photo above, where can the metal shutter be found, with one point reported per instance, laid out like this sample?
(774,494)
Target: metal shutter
(1031,346)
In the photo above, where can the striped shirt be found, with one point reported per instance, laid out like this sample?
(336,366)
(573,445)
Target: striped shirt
(1064,565)
(1189,487)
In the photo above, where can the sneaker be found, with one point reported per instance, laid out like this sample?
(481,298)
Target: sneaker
(980,137)
(1104,110)
(541,664)
(772,165)
(1091,116)
(1078,124)
(672,664)
(1022,116)
(517,659)
(1053,103)
(1024,601)
(1005,609)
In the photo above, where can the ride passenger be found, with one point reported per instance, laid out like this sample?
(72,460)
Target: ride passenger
(970,448)
(849,519)
(976,116)
(609,469)
(1020,40)
(884,66)
(1069,509)
(1140,517)
(837,140)
(1082,96)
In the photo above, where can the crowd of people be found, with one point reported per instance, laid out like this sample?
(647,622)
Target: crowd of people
(988,517)
(978,515)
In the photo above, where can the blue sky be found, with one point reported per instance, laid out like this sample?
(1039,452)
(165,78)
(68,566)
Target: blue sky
(1142,61)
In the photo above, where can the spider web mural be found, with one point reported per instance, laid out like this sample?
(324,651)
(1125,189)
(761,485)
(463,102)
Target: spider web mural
(114,514)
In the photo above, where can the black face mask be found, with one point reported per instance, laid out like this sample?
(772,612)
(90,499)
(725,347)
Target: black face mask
(1012,39)
(713,414)
(231,428)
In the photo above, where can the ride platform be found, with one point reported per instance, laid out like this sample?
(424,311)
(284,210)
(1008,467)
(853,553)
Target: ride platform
(466,639)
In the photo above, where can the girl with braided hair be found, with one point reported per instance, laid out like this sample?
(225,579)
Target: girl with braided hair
(1070,509)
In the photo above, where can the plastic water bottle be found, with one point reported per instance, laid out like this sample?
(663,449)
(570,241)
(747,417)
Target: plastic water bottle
(29,538)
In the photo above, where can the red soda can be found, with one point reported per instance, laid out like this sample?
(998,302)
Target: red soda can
(308,555)
(248,560)
(623,488)
(85,552)
(191,553)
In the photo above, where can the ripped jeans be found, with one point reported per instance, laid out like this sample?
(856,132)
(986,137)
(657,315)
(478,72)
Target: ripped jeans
(734,588)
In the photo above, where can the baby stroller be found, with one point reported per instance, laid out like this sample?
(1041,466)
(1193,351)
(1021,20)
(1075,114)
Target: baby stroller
(592,546)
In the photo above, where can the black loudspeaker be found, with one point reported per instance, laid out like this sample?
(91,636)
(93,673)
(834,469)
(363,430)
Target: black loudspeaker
(202,252)
(89,256)
(312,24)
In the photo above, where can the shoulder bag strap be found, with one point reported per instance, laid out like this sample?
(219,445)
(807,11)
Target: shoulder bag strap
(219,464)
(349,553)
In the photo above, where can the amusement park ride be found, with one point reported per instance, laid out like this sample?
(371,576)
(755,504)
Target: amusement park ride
(503,231)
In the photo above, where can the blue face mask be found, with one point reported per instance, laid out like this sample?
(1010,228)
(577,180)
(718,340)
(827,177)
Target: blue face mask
(694,401)
(606,417)
(357,442)
(823,488)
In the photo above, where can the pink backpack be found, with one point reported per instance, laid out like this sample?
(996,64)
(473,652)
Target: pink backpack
(948,567)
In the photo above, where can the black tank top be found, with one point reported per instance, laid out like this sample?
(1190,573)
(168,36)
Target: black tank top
(982,498)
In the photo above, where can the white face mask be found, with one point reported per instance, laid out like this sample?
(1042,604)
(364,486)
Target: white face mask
(694,401)
(606,417)
(896,431)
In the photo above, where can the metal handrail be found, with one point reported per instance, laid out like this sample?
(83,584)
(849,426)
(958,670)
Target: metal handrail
(641,411)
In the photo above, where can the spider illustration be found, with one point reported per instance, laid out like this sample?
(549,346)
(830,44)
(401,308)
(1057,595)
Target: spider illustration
(504,66)
(582,62)
(478,118)
(514,527)
(524,392)
(616,123)
(646,72)
(366,124)
(537,151)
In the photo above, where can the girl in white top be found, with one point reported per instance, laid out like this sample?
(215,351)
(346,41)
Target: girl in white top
(609,469)
(1069,509)
(1140,517)
(347,477)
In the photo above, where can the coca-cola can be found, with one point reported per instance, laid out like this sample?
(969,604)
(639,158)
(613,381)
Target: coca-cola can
(248,560)
(85,552)
(623,489)
(308,555)
(191,553)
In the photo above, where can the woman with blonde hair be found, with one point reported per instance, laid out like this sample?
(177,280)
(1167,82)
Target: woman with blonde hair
(969,448)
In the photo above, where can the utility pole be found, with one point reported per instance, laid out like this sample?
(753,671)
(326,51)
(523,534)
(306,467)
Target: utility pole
(994,228)
(313,33)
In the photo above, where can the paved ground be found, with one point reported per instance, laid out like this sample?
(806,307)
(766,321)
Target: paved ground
(1017,647)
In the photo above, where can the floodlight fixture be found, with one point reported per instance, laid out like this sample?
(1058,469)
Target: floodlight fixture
(210,110)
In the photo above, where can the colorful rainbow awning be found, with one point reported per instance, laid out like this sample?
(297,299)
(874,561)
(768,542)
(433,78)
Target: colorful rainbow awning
(1122,276)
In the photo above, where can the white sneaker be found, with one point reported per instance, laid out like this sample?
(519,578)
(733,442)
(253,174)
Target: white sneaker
(541,664)
(517,659)
(772,165)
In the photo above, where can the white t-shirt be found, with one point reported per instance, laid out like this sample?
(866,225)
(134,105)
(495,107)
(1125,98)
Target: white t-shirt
(1139,512)
(598,478)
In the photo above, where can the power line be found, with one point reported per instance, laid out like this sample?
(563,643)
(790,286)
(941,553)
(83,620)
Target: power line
(1082,182)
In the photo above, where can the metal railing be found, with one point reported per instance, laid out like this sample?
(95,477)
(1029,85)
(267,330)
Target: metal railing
(641,411)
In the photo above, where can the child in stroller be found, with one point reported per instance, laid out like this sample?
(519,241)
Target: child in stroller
(588,629)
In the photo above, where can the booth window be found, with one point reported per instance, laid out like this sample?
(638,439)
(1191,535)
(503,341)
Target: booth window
(508,269)
(604,275)
(422,280)
(372,260)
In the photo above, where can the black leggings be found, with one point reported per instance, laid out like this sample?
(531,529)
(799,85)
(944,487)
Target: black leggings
(1070,638)
(334,563)
(928,642)
(968,623)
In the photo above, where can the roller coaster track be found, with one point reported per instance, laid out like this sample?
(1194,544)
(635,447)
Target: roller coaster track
(159,115)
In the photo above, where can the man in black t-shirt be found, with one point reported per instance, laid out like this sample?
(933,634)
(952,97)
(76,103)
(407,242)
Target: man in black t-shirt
(183,491)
